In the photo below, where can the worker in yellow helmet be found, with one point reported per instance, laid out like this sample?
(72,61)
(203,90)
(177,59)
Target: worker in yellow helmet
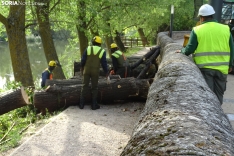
(212,47)
(91,59)
(119,61)
(48,72)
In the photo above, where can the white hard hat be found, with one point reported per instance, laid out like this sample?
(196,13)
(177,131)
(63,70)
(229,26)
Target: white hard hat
(206,10)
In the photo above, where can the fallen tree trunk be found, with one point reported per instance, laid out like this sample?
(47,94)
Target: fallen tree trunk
(145,57)
(149,63)
(182,116)
(65,82)
(13,99)
(61,96)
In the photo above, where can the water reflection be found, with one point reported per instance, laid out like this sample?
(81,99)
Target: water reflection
(37,61)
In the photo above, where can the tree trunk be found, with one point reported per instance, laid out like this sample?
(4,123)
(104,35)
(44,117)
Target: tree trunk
(59,96)
(42,12)
(13,99)
(149,63)
(108,41)
(144,58)
(15,27)
(142,36)
(119,42)
(81,27)
(182,116)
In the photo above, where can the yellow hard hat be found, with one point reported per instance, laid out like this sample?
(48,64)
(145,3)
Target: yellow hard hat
(52,63)
(113,45)
(97,39)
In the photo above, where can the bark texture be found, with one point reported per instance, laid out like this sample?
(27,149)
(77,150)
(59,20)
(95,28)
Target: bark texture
(12,99)
(43,13)
(82,26)
(59,95)
(15,27)
(182,116)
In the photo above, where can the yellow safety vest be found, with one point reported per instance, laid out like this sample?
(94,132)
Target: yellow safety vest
(94,55)
(213,50)
(95,50)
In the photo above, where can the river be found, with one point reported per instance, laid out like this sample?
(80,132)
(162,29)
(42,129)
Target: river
(37,60)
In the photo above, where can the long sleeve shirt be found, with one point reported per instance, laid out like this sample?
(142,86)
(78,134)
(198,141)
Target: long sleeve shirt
(193,43)
(103,61)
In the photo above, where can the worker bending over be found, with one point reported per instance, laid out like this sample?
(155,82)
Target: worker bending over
(120,62)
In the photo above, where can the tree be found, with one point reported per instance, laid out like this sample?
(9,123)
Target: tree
(43,12)
(15,28)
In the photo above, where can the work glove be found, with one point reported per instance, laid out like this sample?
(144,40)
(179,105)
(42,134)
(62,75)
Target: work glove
(108,81)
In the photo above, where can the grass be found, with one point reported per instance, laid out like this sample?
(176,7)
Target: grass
(15,123)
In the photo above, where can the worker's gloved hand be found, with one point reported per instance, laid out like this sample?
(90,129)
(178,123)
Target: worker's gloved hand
(81,71)
(108,81)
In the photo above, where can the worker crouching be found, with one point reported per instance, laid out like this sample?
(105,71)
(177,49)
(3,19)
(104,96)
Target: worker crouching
(120,62)
(48,73)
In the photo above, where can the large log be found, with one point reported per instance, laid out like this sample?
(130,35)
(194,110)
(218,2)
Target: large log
(13,99)
(60,96)
(149,62)
(182,116)
(144,57)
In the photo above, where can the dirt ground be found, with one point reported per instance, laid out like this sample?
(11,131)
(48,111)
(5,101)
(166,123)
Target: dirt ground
(76,132)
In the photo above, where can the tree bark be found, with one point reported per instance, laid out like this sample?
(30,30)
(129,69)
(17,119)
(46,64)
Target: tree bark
(13,99)
(149,63)
(59,96)
(108,41)
(15,27)
(119,42)
(182,116)
(144,58)
(43,13)
(81,27)
(142,36)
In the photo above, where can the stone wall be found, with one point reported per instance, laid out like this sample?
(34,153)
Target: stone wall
(182,116)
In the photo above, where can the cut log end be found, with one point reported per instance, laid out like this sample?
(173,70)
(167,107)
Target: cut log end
(25,96)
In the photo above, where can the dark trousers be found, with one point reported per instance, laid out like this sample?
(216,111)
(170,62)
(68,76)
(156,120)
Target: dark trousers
(123,72)
(94,84)
(216,81)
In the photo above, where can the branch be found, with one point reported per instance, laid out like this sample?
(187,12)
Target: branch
(55,5)
(5,141)
(8,132)
(24,129)
(3,19)
(28,25)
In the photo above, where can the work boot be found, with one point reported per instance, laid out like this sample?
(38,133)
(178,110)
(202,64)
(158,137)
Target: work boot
(81,104)
(94,105)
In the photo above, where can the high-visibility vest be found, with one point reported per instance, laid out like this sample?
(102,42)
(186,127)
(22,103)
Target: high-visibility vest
(213,50)
(51,74)
(94,55)
(120,58)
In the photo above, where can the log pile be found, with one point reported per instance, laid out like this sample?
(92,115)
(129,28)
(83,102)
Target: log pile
(63,93)
(182,116)
(57,95)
